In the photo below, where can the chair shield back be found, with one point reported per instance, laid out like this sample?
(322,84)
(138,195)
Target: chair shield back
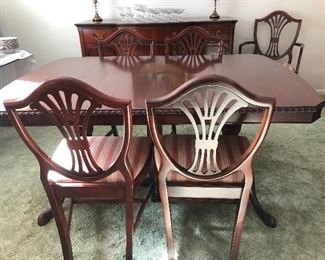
(268,31)
(68,104)
(208,103)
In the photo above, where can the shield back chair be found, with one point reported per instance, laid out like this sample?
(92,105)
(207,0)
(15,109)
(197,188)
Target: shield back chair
(128,45)
(277,47)
(206,165)
(84,168)
(190,45)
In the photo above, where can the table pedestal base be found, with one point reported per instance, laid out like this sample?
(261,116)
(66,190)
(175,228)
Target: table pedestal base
(45,217)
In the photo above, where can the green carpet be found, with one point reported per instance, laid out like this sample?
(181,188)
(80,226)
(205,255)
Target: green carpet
(290,179)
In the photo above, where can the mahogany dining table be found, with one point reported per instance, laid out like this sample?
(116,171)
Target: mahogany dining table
(141,78)
(144,78)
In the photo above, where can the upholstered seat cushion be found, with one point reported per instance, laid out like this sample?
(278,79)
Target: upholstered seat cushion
(182,149)
(105,151)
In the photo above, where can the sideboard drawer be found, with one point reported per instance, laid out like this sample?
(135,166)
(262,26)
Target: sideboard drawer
(91,35)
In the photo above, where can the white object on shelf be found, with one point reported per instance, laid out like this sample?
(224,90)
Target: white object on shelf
(14,65)
(141,13)
(9,43)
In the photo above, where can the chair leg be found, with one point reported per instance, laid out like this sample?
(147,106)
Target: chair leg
(129,222)
(70,213)
(114,130)
(90,130)
(174,131)
(61,223)
(240,218)
(266,217)
(167,217)
(45,217)
(142,207)
(155,189)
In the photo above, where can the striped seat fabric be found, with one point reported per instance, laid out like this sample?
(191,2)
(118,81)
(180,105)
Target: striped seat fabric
(182,149)
(105,151)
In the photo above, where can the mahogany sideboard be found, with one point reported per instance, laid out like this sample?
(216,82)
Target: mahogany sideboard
(90,32)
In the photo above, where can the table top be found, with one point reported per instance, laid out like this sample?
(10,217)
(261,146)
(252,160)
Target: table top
(146,78)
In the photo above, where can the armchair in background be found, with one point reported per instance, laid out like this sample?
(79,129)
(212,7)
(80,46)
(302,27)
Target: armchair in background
(277,22)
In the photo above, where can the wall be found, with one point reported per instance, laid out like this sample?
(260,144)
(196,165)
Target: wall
(46,27)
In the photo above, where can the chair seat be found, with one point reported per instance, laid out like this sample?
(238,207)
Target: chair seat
(182,149)
(105,151)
